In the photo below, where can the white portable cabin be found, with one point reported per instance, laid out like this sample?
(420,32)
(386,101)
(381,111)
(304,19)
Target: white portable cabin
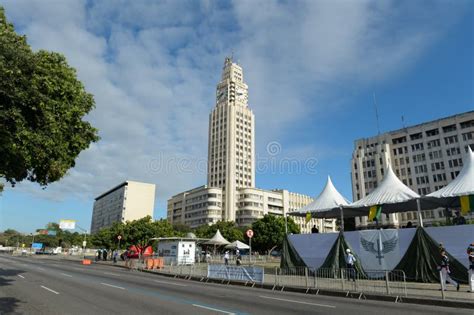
(177,251)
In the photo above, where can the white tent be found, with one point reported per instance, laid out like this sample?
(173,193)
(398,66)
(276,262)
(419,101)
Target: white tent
(217,239)
(326,205)
(391,194)
(462,185)
(237,244)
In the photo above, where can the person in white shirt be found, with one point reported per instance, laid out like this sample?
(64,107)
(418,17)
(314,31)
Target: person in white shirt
(226,257)
(350,264)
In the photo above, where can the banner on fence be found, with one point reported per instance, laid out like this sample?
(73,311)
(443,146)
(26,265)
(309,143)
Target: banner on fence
(239,273)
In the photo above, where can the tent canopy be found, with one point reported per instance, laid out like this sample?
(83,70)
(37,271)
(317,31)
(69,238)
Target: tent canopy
(326,205)
(462,185)
(391,194)
(217,239)
(237,244)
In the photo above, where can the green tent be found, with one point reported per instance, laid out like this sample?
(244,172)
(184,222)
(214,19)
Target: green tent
(422,258)
(289,256)
(336,258)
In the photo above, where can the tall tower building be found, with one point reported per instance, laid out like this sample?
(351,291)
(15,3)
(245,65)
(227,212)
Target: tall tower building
(230,193)
(231,162)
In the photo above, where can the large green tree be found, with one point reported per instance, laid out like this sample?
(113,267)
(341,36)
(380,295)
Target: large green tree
(42,106)
(269,232)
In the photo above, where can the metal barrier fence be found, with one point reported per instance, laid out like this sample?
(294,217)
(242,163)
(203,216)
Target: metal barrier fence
(387,282)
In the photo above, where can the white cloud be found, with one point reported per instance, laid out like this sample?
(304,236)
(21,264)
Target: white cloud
(153,68)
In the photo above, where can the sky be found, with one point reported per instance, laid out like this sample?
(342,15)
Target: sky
(312,67)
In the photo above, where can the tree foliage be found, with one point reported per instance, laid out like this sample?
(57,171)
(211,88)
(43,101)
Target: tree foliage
(138,232)
(269,232)
(42,105)
(65,239)
(228,229)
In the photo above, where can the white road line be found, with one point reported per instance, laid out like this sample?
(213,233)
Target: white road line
(113,286)
(111,273)
(21,276)
(166,282)
(64,274)
(40,268)
(213,309)
(49,289)
(299,302)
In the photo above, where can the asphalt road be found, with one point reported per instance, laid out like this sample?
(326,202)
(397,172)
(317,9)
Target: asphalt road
(43,286)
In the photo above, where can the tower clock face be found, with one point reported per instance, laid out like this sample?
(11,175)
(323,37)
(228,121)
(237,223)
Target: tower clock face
(221,94)
(240,94)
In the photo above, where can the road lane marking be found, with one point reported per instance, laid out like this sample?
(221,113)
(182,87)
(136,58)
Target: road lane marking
(113,286)
(64,274)
(49,289)
(166,282)
(21,276)
(299,302)
(111,273)
(213,309)
(39,268)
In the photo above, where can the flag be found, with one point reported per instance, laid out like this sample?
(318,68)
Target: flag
(467,204)
(308,217)
(374,213)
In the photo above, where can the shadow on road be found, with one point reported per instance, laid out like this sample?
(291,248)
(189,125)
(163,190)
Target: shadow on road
(8,305)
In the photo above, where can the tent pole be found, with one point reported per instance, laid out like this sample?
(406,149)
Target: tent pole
(342,218)
(418,207)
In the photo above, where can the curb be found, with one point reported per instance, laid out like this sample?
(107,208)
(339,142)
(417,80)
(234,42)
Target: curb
(345,294)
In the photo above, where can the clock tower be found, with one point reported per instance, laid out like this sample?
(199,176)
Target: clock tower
(231,162)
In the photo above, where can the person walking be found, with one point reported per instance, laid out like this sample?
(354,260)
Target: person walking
(104,254)
(470,253)
(444,268)
(226,258)
(350,264)
(114,256)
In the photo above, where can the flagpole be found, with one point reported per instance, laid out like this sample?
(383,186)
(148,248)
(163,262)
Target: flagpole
(342,219)
(418,207)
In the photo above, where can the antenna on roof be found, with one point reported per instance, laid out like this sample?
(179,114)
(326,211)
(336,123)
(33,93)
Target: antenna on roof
(376,115)
(403,122)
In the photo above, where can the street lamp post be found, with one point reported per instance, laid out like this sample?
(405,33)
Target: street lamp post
(84,243)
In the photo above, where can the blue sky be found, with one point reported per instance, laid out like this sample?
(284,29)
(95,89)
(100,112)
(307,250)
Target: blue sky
(312,68)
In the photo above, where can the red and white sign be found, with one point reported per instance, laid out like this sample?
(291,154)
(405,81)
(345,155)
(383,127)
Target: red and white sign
(249,233)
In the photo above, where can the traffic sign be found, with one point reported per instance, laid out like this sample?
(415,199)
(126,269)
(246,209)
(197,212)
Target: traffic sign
(84,243)
(249,233)
(119,237)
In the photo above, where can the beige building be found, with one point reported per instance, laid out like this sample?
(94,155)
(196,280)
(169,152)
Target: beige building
(230,193)
(126,202)
(425,157)
(203,205)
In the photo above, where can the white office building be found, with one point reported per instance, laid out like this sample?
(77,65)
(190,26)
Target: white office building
(425,157)
(126,202)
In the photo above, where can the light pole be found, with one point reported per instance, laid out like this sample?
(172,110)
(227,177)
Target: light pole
(84,243)
(32,241)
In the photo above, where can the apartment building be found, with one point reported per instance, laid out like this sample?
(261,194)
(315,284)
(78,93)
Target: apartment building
(126,202)
(425,157)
